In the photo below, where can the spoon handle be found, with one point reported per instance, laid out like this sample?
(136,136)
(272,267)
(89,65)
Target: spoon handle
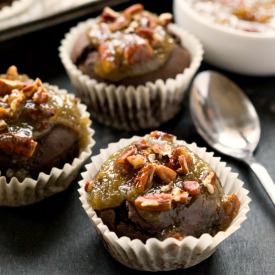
(263,176)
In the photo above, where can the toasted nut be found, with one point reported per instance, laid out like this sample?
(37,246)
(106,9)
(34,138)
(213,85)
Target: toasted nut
(231,205)
(165,173)
(120,23)
(181,197)
(147,33)
(183,165)
(13,143)
(192,187)
(209,181)
(136,8)
(137,161)
(165,18)
(12,72)
(154,202)
(123,157)
(6,86)
(89,185)
(3,125)
(138,52)
(142,144)
(143,179)
(41,96)
(162,136)
(109,14)
(106,62)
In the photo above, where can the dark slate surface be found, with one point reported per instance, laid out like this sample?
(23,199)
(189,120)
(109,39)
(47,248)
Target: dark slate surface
(56,237)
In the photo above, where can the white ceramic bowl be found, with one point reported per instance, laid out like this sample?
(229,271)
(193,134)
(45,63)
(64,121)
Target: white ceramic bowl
(234,50)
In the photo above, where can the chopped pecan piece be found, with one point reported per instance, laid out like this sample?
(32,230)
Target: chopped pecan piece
(11,143)
(123,157)
(109,14)
(141,144)
(181,159)
(144,177)
(154,202)
(192,187)
(231,205)
(182,197)
(138,52)
(130,11)
(7,86)
(165,173)
(145,32)
(12,72)
(165,18)
(208,180)
(40,96)
(162,136)
(89,186)
(121,22)
(184,169)
(106,56)
(137,161)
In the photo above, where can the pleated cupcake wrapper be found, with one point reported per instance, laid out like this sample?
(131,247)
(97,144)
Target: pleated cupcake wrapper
(129,107)
(170,254)
(17,193)
(15,8)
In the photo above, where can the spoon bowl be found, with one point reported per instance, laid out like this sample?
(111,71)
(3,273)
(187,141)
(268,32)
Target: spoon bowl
(228,121)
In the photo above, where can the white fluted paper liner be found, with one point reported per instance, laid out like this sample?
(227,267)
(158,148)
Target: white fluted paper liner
(156,255)
(16,7)
(17,193)
(129,107)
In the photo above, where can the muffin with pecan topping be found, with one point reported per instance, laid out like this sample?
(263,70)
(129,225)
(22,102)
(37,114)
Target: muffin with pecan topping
(159,190)
(131,67)
(41,128)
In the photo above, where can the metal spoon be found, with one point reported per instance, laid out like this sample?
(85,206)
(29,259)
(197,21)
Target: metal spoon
(227,120)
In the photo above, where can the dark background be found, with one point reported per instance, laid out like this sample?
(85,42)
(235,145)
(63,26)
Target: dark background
(55,235)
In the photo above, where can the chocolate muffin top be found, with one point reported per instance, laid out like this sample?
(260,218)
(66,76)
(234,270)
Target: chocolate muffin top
(158,188)
(128,44)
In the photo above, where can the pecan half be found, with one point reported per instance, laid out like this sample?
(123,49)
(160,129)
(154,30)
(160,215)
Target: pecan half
(154,202)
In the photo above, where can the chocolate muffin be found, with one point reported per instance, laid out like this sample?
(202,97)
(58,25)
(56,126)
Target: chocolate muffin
(131,47)
(132,68)
(40,128)
(157,188)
